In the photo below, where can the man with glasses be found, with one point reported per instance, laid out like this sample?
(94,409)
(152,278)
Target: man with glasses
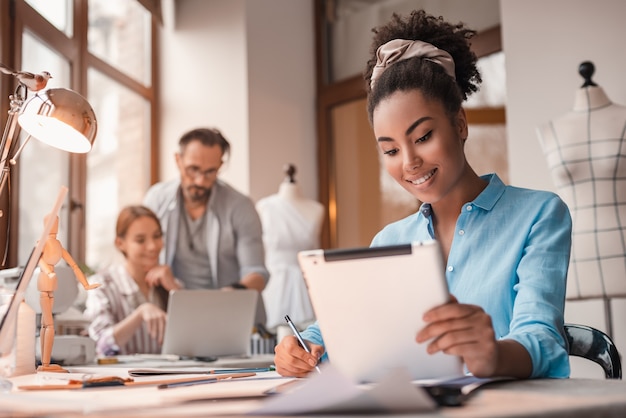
(213,237)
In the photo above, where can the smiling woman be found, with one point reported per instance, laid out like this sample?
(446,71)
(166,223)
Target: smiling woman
(127,312)
(361,200)
(496,239)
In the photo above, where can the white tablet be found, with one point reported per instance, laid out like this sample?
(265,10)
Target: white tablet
(369,304)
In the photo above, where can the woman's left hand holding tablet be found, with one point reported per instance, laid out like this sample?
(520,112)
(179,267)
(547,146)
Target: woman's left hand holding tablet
(462,330)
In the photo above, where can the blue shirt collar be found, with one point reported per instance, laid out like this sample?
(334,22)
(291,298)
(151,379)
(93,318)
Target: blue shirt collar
(493,192)
(485,200)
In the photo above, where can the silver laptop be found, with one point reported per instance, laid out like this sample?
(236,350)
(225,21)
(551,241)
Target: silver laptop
(207,323)
(369,304)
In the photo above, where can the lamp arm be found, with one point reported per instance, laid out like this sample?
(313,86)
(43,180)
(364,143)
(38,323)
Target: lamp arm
(8,135)
(13,159)
(7,140)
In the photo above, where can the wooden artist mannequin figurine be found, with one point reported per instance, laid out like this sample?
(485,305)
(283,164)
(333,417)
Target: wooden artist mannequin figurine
(47,283)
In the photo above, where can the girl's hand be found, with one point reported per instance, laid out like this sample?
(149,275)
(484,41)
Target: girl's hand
(155,318)
(162,275)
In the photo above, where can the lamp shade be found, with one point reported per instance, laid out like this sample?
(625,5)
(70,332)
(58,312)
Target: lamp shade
(61,118)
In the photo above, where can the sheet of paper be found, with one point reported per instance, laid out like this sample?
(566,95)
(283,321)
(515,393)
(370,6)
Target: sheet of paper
(326,392)
(143,400)
(331,392)
(82,401)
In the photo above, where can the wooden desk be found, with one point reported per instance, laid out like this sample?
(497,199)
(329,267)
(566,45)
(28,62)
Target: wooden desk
(545,398)
(536,398)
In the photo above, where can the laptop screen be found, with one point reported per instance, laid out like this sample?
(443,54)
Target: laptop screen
(207,323)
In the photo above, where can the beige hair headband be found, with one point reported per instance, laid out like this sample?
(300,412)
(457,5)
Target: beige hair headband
(401,49)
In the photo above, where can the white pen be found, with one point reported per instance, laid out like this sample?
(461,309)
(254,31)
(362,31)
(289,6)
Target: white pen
(299,337)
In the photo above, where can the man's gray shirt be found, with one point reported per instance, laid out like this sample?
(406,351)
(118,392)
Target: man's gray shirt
(234,237)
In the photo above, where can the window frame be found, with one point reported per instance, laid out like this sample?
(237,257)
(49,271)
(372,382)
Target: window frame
(16,16)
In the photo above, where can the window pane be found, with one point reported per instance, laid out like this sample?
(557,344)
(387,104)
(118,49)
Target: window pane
(118,172)
(486,150)
(492,91)
(119,33)
(351,21)
(43,169)
(57,12)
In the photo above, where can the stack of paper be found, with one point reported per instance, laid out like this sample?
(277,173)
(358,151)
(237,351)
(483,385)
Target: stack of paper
(331,392)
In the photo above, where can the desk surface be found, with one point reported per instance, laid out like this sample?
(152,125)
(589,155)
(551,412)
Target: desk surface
(537,398)
(156,360)
(546,398)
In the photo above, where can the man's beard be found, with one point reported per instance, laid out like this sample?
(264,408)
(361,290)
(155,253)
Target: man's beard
(198,194)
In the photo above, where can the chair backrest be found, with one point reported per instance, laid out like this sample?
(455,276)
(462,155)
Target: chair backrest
(594,345)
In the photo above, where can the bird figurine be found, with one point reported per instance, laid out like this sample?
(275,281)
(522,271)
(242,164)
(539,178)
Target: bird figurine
(33,82)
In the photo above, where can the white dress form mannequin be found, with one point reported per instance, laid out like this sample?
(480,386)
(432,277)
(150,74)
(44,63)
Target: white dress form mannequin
(585,150)
(311,210)
(291,223)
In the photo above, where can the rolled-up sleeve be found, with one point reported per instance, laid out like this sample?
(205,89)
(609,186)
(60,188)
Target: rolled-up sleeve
(249,235)
(99,312)
(313,334)
(537,321)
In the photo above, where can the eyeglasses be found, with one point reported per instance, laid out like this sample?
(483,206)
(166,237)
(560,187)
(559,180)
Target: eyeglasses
(195,172)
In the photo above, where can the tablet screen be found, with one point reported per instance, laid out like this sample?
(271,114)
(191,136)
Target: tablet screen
(369,303)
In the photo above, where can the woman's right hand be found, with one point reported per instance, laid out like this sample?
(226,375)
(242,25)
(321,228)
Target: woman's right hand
(292,360)
(155,318)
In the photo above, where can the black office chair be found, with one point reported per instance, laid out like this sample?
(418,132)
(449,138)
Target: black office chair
(594,345)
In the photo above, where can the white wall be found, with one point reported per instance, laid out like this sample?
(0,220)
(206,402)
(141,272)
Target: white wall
(253,72)
(544,43)
(281,82)
(204,81)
